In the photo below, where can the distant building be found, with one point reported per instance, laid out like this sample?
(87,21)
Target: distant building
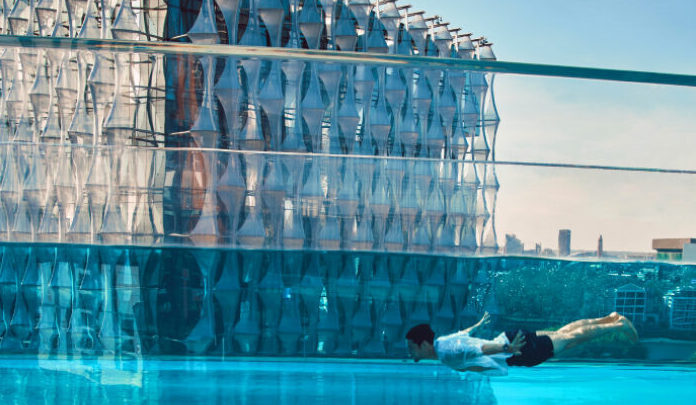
(629,301)
(513,245)
(564,242)
(682,308)
(671,248)
(689,252)
(600,247)
(547,252)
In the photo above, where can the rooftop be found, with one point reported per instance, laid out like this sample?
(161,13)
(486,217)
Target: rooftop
(671,243)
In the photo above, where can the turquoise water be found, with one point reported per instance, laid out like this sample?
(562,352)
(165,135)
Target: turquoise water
(335,382)
(130,302)
(93,325)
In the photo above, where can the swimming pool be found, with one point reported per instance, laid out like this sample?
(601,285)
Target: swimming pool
(133,301)
(292,381)
(185,251)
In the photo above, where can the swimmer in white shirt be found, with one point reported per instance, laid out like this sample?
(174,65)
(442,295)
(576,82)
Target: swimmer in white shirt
(520,347)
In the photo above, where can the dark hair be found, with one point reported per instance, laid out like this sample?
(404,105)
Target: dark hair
(420,333)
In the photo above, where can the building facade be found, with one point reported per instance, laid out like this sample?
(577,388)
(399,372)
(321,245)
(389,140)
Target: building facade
(630,301)
(209,202)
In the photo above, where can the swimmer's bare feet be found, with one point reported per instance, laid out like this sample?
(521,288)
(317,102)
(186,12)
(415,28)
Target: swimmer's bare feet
(611,318)
(629,330)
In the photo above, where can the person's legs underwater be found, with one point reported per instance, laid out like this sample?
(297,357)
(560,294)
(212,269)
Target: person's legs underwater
(569,337)
(613,317)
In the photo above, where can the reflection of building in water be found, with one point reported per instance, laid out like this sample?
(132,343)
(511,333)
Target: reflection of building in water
(629,300)
(682,308)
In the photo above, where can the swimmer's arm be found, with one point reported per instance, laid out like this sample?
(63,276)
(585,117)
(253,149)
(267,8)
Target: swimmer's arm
(485,319)
(513,348)
(492,348)
(475,369)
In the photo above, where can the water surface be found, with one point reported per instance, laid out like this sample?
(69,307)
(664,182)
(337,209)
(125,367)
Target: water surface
(313,381)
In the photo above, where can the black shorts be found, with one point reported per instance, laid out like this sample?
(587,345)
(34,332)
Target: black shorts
(536,350)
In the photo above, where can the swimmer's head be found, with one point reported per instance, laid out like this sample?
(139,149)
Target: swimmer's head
(420,342)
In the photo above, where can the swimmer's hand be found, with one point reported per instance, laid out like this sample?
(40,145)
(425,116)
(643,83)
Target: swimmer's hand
(485,320)
(517,343)
(513,347)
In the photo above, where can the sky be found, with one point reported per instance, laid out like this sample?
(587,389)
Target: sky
(556,120)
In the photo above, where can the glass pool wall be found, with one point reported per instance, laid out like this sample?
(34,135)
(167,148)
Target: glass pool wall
(129,301)
(224,202)
(317,287)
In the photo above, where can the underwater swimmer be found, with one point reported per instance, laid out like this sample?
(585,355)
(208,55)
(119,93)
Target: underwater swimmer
(463,352)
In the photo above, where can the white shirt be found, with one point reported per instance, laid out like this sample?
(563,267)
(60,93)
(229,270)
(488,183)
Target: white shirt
(461,352)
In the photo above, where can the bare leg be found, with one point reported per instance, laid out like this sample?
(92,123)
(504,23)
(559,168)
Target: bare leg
(613,317)
(631,331)
(582,334)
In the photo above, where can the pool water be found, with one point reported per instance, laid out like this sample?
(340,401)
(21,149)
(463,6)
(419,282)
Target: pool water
(312,381)
(60,299)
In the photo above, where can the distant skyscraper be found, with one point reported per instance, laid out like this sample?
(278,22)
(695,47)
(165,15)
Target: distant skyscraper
(564,242)
(513,245)
(600,246)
